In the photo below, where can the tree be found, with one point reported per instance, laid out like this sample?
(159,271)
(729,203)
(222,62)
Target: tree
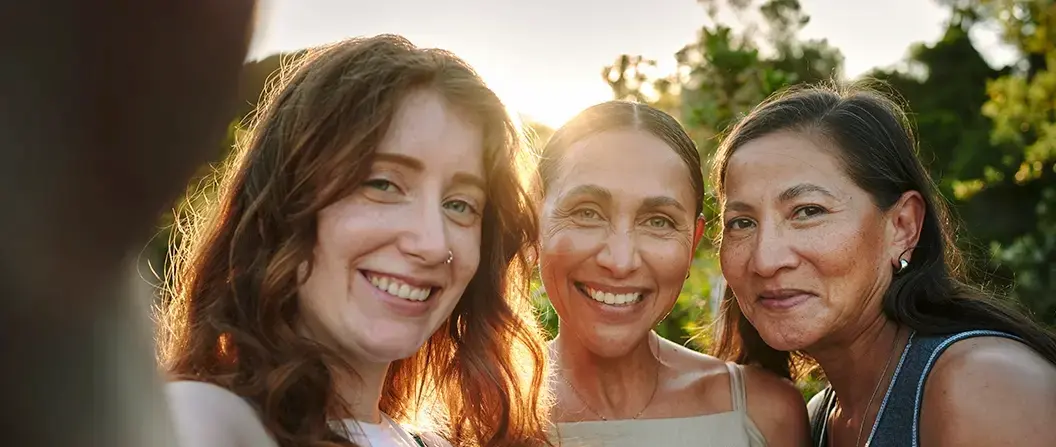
(1022,104)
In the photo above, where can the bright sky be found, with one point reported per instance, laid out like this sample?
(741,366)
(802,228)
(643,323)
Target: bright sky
(544,57)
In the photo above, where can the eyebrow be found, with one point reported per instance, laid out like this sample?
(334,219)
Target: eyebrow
(652,203)
(787,195)
(801,190)
(417,165)
(400,159)
(589,190)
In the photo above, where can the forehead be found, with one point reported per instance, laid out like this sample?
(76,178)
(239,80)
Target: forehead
(629,162)
(773,163)
(427,128)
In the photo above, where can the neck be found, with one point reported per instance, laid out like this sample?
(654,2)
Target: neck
(614,387)
(360,392)
(855,364)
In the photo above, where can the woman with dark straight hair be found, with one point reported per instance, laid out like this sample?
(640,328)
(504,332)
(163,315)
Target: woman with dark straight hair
(837,247)
(362,276)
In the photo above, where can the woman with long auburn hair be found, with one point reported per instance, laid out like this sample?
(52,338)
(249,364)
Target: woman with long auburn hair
(363,274)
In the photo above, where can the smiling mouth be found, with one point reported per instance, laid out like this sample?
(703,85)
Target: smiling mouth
(611,299)
(398,288)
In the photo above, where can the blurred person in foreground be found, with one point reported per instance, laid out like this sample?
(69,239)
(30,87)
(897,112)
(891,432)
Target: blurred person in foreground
(837,246)
(360,279)
(108,108)
(622,190)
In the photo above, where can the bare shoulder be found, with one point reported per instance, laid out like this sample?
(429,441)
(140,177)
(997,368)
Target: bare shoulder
(777,408)
(208,415)
(774,404)
(989,391)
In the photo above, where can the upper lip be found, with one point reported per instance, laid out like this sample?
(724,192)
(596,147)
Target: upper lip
(615,290)
(409,280)
(782,293)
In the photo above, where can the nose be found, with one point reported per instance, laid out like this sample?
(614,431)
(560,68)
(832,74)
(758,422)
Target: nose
(620,255)
(773,252)
(425,236)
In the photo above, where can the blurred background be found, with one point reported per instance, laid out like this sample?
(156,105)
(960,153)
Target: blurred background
(978,75)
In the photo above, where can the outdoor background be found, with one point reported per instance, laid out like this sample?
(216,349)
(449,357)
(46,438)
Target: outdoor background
(978,75)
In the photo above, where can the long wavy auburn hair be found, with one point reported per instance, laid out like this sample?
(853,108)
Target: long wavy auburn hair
(231,311)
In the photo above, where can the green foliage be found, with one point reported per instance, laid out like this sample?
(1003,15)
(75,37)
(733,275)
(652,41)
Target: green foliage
(987,135)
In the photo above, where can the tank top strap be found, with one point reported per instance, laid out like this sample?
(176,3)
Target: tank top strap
(737,392)
(898,423)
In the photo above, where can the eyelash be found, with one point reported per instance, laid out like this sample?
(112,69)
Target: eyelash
(729,224)
(472,209)
(803,208)
(795,215)
(582,213)
(378,182)
(667,223)
(384,185)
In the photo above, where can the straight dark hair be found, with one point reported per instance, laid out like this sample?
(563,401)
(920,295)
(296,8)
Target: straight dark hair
(877,148)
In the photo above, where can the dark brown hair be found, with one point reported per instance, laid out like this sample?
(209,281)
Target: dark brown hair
(875,144)
(619,115)
(232,310)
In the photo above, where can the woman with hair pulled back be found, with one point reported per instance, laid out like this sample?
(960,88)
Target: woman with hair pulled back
(837,246)
(622,190)
(363,271)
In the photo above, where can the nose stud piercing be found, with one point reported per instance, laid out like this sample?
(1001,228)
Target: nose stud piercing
(450,257)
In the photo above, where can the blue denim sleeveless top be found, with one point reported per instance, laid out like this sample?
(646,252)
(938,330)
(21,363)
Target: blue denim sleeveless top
(898,422)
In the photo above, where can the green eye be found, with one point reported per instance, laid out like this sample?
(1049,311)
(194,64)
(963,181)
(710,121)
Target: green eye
(460,206)
(661,222)
(380,185)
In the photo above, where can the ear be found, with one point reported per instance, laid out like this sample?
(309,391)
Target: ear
(907,219)
(531,255)
(698,232)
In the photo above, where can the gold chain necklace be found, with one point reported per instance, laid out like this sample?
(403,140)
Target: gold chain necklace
(861,426)
(656,385)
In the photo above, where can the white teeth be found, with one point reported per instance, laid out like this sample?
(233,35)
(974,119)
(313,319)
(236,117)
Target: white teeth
(400,289)
(616,299)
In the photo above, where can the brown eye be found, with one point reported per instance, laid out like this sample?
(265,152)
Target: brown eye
(808,211)
(739,223)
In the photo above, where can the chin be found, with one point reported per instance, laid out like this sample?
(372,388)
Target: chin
(612,345)
(784,337)
(384,349)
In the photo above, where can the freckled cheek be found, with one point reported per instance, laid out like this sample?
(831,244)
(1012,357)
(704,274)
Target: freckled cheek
(838,252)
(733,260)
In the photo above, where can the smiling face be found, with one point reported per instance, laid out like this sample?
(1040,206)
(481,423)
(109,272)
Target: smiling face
(618,227)
(380,283)
(806,251)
